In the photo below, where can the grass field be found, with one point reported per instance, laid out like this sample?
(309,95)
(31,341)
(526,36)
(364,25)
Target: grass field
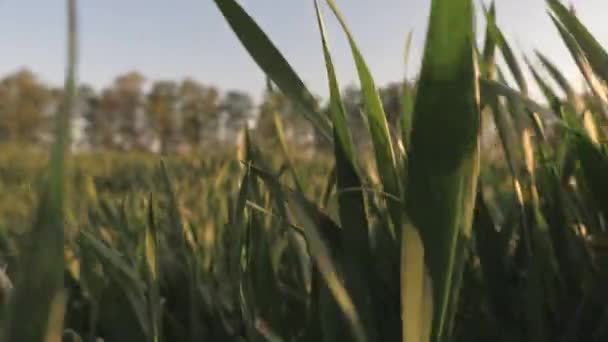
(433,236)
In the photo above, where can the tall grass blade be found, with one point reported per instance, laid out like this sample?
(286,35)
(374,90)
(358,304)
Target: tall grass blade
(512,61)
(280,130)
(376,118)
(444,157)
(356,256)
(595,53)
(183,246)
(414,298)
(407,104)
(321,255)
(582,61)
(594,163)
(557,75)
(489,48)
(37,307)
(324,244)
(407,53)
(330,184)
(407,100)
(552,98)
(123,276)
(489,87)
(153,278)
(490,99)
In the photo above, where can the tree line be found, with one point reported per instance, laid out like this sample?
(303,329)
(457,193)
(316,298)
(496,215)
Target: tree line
(166,117)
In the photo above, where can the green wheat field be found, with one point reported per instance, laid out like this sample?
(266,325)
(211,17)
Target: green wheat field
(432,234)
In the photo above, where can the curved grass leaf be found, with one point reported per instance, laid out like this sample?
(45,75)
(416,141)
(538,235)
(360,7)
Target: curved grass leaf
(278,125)
(376,118)
(123,276)
(323,240)
(329,187)
(512,62)
(356,256)
(595,53)
(552,98)
(557,75)
(331,231)
(582,61)
(489,87)
(344,145)
(272,62)
(322,257)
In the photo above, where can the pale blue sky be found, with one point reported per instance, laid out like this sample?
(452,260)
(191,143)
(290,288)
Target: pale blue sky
(171,39)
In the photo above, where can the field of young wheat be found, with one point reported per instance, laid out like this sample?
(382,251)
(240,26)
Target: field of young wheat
(431,237)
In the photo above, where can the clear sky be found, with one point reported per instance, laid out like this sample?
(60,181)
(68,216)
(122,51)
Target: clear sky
(171,39)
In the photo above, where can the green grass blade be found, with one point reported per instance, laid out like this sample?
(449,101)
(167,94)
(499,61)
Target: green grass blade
(557,75)
(323,261)
(122,275)
(153,279)
(407,100)
(177,235)
(444,157)
(594,163)
(407,104)
(552,98)
(262,275)
(491,246)
(324,243)
(356,256)
(407,52)
(330,184)
(490,87)
(278,125)
(597,56)
(36,309)
(489,47)
(183,247)
(502,120)
(582,61)
(272,62)
(490,99)
(344,145)
(512,62)
(376,118)
(539,249)
(414,297)
(235,231)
